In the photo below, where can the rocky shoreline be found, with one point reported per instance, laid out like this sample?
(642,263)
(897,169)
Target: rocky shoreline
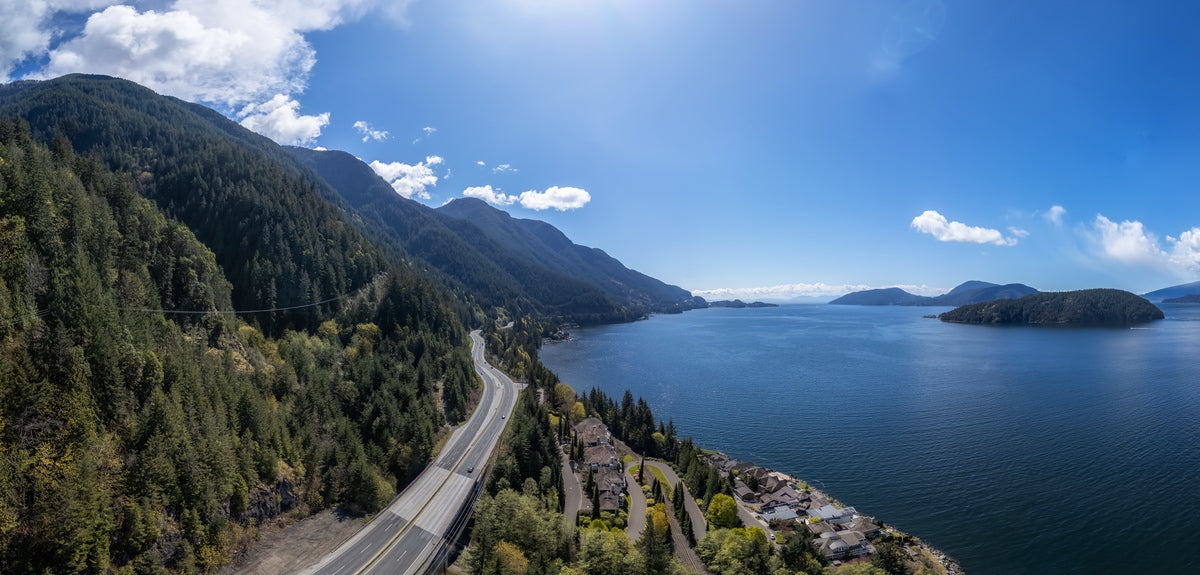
(780,501)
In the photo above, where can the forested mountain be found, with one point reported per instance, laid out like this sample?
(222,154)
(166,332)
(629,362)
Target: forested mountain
(522,265)
(262,214)
(143,424)
(966,293)
(545,244)
(1071,308)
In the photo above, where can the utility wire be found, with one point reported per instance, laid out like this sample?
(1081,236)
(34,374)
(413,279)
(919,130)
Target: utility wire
(233,312)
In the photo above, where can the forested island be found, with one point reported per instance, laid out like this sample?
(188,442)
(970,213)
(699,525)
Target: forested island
(1093,307)
(739,304)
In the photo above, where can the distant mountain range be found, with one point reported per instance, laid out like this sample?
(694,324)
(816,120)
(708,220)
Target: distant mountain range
(966,293)
(1183,293)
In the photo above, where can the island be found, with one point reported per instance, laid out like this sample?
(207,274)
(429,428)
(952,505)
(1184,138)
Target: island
(1190,298)
(737,303)
(1092,307)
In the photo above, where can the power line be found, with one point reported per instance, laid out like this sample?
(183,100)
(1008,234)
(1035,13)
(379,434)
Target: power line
(234,312)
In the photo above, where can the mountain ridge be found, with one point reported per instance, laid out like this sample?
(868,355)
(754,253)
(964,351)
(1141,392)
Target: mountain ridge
(971,291)
(528,265)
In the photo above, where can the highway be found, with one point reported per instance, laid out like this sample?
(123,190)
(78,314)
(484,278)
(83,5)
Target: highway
(406,535)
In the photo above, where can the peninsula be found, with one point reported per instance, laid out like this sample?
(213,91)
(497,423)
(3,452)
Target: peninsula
(1093,307)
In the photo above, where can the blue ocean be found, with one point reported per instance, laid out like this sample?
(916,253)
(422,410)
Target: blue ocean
(1012,449)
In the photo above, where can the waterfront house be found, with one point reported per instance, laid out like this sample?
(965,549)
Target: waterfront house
(865,525)
(843,544)
(831,514)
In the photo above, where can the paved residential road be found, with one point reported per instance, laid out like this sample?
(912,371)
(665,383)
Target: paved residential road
(637,508)
(572,492)
(686,554)
(407,534)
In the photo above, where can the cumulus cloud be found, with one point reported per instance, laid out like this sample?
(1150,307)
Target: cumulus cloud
(503,168)
(409,180)
(936,225)
(817,290)
(279,119)
(561,198)
(1055,214)
(225,52)
(22,32)
(369,133)
(490,195)
(480,164)
(1128,242)
(1185,250)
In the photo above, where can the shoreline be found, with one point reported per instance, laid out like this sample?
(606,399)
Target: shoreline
(948,564)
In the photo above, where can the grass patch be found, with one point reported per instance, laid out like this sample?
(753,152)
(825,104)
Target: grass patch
(627,458)
(658,474)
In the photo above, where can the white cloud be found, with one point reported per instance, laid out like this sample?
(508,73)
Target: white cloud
(370,133)
(936,225)
(817,290)
(1128,242)
(556,197)
(1055,214)
(279,120)
(1018,232)
(503,168)
(480,163)
(561,198)
(225,52)
(1185,250)
(429,130)
(409,180)
(22,32)
(489,195)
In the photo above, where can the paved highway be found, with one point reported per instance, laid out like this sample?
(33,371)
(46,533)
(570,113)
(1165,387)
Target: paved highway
(407,534)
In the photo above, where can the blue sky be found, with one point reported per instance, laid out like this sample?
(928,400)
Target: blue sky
(751,149)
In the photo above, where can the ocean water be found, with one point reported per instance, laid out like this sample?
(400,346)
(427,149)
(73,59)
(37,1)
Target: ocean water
(1014,450)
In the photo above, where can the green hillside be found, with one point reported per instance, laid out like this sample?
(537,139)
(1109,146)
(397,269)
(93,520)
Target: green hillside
(143,424)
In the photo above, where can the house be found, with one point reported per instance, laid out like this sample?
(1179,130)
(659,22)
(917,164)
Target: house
(834,515)
(769,483)
(780,513)
(742,492)
(728,466)
(865,525)
(843,544)
(786,495)
(742,467)
(592,432)
(601,456)
(610,502)
(717,460)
